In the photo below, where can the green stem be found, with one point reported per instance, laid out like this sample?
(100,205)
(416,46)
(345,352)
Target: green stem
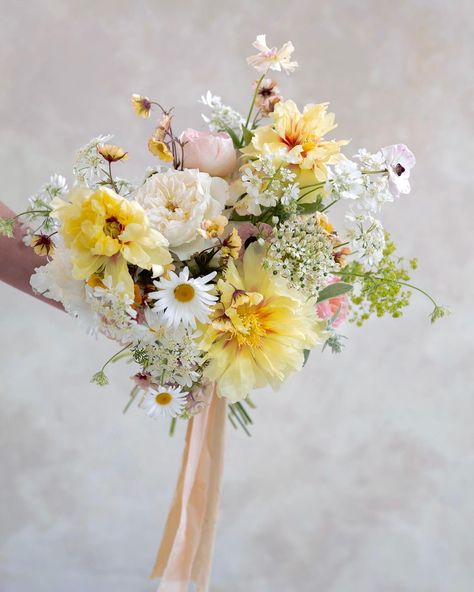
(328,206)
(238,418)
(374,172)
(133,396)
(252,104)
(115,357)
(172,425)
(44,212)
(111,179)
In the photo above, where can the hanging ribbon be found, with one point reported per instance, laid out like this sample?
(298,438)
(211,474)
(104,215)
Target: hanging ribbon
(185,554)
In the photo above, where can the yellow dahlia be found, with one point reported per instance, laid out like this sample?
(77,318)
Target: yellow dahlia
(258,330)
(105,231)
(299,138)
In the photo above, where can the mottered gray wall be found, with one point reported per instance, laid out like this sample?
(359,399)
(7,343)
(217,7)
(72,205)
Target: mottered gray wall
(360,474)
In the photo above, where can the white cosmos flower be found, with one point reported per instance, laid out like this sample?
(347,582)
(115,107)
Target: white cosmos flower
(272,58)
(164,402)
(399,160)
(183,299)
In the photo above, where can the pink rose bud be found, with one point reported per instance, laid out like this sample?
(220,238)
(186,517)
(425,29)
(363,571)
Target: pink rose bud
(339,306)
(210,152)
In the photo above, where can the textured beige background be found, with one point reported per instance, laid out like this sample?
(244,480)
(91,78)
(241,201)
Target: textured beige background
(360,473)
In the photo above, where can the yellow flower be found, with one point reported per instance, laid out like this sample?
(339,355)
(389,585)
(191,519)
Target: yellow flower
(231,245)
(160,149)
(258,330)
(300,137)
(323,221)
(141,105)
(213,228)
(112,153)
(104,232)
(42,244)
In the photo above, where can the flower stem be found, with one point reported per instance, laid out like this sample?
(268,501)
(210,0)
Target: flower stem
(133,396)
(172,425)
(115,357)
(254,98)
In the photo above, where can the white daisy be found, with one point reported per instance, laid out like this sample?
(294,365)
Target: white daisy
(183,299)
(164,402)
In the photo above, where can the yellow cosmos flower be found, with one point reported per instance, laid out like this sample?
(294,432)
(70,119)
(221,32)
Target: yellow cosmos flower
(160,149)
(299,137)
(104,232)
(231,245)
(258,330)
(214,227)
(141,105)
(111,152)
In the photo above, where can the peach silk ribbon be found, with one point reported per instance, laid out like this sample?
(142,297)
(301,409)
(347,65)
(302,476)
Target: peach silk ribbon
(185,554)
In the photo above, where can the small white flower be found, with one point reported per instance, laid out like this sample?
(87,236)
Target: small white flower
(272,58)
(87,162)
(251,181)
(183,299)
(345,180)
(376,193)
(371,162)
(222,116)
(166,402)
(399,161)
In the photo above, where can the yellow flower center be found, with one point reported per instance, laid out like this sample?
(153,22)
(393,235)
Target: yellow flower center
(249,329)
(163,399)
(112,227)
(184,293)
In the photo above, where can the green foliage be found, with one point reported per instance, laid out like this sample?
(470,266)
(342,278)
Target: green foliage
(100,378)
(335,343)
(381,291)
(140,356)
(6,227)
(439,312)
(334,290)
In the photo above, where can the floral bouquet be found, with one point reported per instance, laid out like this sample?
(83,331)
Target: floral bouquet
(221,270)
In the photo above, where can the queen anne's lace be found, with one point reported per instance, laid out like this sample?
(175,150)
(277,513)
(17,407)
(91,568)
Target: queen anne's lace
(302,253)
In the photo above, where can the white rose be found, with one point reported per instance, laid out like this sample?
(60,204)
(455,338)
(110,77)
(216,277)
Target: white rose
(177,202)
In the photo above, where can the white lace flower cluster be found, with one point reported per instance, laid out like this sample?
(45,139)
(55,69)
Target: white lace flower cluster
(170,355)
(88,162)
(222,116)
(302,253)
(266,185)
(38,218)
(375,179)
(367,238)
(112,307)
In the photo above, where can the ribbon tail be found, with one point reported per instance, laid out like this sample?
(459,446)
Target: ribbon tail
(186,549)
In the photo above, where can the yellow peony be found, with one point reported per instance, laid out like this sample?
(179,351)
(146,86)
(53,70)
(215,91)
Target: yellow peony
(105,231)
(299,138)
(258,330)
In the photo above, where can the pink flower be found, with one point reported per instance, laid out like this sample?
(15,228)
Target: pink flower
(142,379)
(210,152)
(328,308)
(247,230)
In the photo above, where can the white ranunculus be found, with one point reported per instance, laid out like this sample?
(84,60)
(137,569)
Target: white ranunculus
(177,202)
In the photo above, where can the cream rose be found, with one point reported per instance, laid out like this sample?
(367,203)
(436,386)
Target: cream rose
(210,152)
(178,202)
